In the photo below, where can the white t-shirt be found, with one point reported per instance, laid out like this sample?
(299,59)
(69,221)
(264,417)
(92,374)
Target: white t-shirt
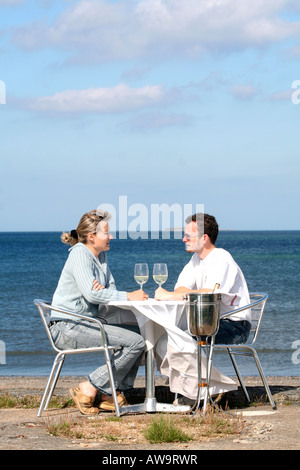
(218,267)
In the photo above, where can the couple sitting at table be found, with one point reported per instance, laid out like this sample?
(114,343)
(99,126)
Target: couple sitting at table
(86,284)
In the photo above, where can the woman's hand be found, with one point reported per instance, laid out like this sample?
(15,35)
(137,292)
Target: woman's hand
(137,295)
(97,286)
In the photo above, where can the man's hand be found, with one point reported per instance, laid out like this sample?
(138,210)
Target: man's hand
(163,294)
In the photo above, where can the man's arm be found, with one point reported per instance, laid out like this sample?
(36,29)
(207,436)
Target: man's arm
(177,294)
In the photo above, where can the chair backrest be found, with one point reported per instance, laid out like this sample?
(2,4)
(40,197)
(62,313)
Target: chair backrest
(257,306)
(44,308)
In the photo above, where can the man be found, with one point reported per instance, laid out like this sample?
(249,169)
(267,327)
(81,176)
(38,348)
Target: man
(210,266)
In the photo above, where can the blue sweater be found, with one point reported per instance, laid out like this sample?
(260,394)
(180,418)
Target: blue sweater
(75,286)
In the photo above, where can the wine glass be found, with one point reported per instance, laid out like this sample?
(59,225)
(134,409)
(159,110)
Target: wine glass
(141,273)
(160,273)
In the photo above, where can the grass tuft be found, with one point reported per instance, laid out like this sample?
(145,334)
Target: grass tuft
(31,401)
(163,429)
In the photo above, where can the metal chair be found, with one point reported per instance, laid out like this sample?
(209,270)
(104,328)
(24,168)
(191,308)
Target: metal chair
(257,306)
(45,309)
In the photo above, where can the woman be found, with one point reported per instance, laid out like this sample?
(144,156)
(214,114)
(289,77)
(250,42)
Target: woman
(85,283)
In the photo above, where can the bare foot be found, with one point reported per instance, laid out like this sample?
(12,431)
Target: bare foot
(88,389)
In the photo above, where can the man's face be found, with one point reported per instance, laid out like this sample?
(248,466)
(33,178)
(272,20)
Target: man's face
(193,242)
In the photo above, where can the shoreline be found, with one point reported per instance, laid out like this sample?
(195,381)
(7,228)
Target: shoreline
(39,381)
(283,388)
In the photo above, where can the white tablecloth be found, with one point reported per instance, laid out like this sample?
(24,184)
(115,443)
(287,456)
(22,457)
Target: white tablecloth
(176,349)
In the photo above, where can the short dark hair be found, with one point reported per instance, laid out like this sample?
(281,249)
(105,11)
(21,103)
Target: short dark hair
(206,224)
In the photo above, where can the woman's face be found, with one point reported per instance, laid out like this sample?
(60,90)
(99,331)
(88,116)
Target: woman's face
(102,237)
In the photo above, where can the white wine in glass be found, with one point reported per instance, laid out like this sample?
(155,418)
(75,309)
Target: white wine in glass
(141,273)
(160,273)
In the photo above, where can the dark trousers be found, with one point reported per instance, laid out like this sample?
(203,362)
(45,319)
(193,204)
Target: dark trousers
(232,332)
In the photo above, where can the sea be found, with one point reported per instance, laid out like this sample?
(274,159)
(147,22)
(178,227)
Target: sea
(31,263)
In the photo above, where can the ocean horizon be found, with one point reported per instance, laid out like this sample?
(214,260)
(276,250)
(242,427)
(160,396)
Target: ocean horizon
(31,263)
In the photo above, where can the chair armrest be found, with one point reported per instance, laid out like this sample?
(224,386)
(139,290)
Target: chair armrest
(85,317)
(78,315)
(263,298)
(53,308)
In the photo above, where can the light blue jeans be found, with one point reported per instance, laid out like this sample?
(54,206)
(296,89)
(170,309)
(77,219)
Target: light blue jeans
(125,362)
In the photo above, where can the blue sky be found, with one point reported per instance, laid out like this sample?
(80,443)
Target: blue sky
(161,101)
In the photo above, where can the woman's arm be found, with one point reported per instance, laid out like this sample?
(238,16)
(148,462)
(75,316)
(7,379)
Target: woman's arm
(97,286)
(135,295)
(84,274)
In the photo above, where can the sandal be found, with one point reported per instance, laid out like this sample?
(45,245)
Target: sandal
(83,402)
(108,405)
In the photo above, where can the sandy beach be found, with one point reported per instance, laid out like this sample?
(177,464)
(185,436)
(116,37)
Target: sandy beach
(265,429)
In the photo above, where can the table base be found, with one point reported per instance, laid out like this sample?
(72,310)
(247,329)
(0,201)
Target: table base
(150,405)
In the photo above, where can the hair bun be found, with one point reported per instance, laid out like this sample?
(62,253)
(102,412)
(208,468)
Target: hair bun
(74,234)
(69,238)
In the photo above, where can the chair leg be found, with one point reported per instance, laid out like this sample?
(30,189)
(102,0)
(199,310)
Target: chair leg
(54,382)
(253,353)
(111,381)
(51,383)
(238,374)
(263,378)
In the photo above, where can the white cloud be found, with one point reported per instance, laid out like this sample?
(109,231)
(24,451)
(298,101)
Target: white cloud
(99,30)
(285,95)
(116,99)
(244,92)
(158,120)
(135,73)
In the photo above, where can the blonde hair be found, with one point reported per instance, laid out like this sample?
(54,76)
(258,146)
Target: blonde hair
(88,223)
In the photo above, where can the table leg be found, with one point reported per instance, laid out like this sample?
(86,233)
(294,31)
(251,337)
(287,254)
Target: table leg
(209,358)
(150,404)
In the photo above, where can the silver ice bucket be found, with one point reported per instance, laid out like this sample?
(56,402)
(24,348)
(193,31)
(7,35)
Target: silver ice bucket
(203,313)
